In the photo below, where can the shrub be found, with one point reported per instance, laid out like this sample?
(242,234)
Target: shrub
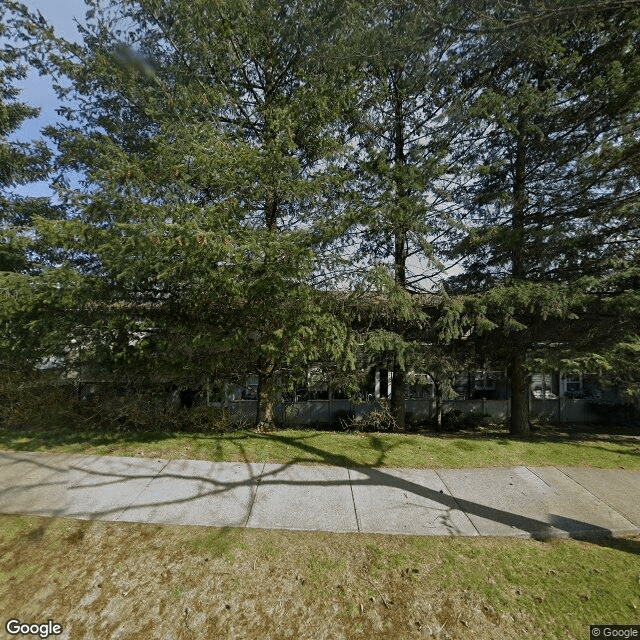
(147,414)
(414,422)
(36,401)
(209,420)
(456,420)
(379,419)
(39,401)
(343,419)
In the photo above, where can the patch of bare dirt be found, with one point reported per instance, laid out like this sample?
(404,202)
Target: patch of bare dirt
(123,581)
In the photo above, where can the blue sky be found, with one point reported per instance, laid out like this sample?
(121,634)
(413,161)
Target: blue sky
(37,90)
(60,13)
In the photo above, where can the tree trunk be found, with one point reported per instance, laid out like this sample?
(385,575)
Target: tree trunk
(398,386)
(438,393)
(398,409)
(519,387)
(518,269)
(399,375)
(519,396)
(271,212)
(265,410)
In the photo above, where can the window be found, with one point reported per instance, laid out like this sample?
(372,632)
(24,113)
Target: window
(573,386)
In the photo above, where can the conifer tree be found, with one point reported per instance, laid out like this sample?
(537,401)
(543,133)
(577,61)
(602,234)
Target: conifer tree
(405,58)
(21,163)
(552,206)
(204,134)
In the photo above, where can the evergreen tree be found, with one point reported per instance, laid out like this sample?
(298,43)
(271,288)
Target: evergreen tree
(552,201)
(405,59)
(21,163)
(204,134)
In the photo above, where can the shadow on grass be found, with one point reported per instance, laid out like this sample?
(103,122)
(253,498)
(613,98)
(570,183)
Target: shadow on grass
(301,447)
(365,449)
(627,545)
(41,438)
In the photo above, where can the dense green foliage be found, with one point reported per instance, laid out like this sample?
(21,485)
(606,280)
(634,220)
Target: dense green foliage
(20,162)
(551,206)
(255,187)
(24,259)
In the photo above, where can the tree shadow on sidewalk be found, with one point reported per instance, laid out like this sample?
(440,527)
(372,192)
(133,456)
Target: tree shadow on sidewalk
(125,472)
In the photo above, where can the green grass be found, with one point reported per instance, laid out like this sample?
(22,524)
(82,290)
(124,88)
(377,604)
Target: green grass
(276,584)
(13,527)
(552,583)
(308,447)
(218,544)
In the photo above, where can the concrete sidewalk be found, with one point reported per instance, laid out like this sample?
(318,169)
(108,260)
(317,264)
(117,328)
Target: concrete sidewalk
(538,502)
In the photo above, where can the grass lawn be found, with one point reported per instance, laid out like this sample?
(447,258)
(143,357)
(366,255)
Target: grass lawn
(100,579)
(473,449)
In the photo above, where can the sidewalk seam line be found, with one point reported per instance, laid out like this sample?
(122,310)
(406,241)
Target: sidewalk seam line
(353,499)
(530,470)
(255,495)
(460,509)
(146,486)
(622,515)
